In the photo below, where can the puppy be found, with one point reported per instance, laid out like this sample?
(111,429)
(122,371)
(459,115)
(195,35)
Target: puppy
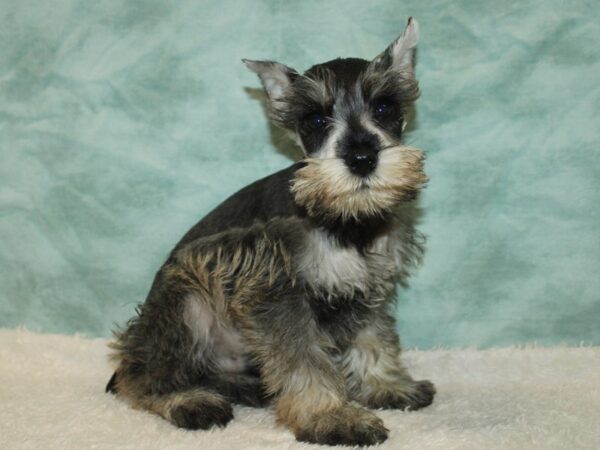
(284,293)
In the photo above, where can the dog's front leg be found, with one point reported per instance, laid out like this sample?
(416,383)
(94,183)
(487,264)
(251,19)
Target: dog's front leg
(296,366)
(375,377)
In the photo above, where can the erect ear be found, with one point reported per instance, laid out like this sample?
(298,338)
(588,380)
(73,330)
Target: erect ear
(276,78)
(400,54)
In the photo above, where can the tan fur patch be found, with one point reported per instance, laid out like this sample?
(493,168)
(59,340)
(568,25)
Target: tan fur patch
(305,394)
(230,277)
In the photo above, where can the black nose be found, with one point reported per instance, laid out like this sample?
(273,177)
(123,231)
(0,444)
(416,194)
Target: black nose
(360,151)
(361,162)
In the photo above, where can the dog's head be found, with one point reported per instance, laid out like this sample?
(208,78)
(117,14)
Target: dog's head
(348,116)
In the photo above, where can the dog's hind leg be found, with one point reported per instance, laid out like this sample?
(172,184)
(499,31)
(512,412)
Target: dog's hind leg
(161,369)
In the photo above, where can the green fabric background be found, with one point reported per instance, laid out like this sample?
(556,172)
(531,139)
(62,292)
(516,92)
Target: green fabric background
(123,122)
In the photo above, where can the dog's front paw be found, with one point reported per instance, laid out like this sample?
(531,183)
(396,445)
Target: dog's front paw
(413,396)
(348,425)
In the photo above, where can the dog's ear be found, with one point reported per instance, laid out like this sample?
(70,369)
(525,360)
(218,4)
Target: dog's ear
(276,78)
(400,55)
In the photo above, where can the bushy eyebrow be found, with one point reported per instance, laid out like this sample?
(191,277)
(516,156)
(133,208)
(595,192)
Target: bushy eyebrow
(307,96)
(389,84)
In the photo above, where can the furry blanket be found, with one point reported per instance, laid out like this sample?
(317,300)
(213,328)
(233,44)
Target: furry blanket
(52,396)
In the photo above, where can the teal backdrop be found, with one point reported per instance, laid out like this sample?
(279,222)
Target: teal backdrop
(123,122)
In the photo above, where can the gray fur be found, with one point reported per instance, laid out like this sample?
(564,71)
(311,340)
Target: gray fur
(284,293)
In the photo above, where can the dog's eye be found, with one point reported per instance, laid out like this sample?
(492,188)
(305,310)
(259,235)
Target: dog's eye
(316,121)
(382,108)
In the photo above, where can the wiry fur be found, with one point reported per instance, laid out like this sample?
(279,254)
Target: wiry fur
(324,188)
(283,293)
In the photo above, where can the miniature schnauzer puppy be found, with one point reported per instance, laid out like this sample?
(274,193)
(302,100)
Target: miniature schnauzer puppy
(284,293)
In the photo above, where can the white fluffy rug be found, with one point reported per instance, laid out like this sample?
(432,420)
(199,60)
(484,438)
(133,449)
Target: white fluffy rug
(52,396)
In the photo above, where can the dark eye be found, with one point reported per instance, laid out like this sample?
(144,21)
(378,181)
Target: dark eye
(316,121)
(382,108)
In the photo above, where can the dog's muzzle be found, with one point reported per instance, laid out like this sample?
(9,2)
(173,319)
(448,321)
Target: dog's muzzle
(361,162)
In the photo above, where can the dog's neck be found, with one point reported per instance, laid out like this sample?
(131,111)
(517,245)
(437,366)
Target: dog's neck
(360,233)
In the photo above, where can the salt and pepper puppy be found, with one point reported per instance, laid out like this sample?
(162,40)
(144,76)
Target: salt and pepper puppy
(284,293)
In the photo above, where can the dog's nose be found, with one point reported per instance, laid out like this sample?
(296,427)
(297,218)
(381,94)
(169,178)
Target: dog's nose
(361,162)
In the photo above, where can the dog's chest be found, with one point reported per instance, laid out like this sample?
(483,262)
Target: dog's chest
(335,270)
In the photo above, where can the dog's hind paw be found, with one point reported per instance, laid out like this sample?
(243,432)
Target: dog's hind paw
(201,416)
